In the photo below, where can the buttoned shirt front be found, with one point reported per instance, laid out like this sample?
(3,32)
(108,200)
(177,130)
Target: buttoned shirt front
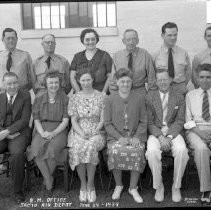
(21,65)
(182,66)
(194,100)
(143,70)
(58,63)
(200,58)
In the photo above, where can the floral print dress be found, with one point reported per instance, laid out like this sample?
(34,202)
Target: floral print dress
(88,111)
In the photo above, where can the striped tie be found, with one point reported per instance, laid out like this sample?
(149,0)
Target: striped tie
(205,107)
(165,107)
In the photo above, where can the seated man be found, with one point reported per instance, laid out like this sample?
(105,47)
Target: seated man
(15,134)
(166,117)
(198,125)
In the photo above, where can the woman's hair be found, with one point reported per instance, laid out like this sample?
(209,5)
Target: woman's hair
(83,71)
(123,72)
(88,30)
(52,74)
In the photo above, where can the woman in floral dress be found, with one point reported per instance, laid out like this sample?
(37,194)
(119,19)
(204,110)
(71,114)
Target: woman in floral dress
(86,138)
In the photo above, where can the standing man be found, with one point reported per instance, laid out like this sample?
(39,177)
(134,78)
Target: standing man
(198,125)
(15,134)
(15,60)
(173,58)
(202,57)
(166,117)
(50,62)
(137,59)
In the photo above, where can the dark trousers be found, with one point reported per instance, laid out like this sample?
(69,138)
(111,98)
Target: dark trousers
(16,148)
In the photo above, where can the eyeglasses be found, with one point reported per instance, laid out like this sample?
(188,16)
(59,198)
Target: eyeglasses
(90,39)
(49,42)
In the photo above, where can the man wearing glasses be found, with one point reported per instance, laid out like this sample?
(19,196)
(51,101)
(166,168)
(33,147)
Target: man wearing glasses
(50,62)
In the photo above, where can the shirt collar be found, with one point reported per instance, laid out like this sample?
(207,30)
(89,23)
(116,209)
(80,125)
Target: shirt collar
(13,52)
(165,48)
(201,91)
(13,99)
(135,52)
(162,94)
(46,56)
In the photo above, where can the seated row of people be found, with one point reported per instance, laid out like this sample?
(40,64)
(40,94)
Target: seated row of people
(120,119)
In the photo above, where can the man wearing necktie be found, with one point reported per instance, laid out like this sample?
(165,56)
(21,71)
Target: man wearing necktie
(173,58)
(166,117)
(198,125)
(138,60)
(202,57)
(15,134)
(15,60)
(50,62)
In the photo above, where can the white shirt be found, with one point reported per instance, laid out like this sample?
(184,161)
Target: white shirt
(13,99)
(194,100)
(167,98)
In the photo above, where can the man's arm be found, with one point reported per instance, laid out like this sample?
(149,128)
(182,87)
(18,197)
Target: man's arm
(195,64)
(188,71)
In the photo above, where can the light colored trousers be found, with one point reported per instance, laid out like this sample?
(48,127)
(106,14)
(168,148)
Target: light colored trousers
(202,158)
(153,155)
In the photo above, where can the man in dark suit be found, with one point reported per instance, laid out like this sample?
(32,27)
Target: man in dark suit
(166,117)
(15,134)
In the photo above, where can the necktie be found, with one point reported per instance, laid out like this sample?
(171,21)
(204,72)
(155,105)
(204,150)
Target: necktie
(10,103)
(165,107)
(48,61)
(205,107)
(9,61)
(171,64)
(130,61)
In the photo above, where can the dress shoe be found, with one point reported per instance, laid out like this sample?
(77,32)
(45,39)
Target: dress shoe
(206,197)
(159,194)
(91,196)
(176,195)
(117,193)
(137,198)
(82,196)
(19,197)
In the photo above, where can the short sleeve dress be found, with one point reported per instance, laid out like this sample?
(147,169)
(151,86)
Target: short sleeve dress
(50,116)
(100,65)
(88,111)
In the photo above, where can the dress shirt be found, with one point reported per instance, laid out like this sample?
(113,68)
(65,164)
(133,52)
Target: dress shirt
(200,58)
(182,66)
(13,99)
(143,70)
(58,63)
(194,100)
(21,65)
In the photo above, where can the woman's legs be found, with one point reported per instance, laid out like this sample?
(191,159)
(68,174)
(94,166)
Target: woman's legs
(118,177)
(81,169)
(91,175)
(134,176)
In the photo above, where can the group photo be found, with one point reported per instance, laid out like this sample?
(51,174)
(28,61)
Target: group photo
(105,104)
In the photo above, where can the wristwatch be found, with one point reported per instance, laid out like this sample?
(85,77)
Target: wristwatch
(170,136)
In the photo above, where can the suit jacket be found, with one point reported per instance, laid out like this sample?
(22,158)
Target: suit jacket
(175,115)
(21,111)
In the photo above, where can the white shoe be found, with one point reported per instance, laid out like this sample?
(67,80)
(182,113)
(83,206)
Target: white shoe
(176,195)
(117,192)
(136,196)
(159,194)
(91,196)
(82,196)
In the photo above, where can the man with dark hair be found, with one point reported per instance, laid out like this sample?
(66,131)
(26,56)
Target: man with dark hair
(138,60)
(198,125)
(50,62)
(15,60)
(173,58)
(202,57)
(166,117)
(15,134)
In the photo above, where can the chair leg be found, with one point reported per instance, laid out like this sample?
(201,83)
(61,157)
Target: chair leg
(27,176)
(66,183)
(72,178)
(110,179)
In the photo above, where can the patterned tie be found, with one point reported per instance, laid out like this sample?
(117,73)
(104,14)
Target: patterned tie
(165,107)
(130,61)
(10,103)
(171,64)
(9,61)
(205,107)
(48,61)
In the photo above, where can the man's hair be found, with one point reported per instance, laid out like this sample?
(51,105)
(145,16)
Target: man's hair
(8,30)
(52,74)
(160,70)
(123,72)
(86,31)
(129,30)
(208,28)
(82,71)
(48,35)
(168,25)
(204,67)
(9,74)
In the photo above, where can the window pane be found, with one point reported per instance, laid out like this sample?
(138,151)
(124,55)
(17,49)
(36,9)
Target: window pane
(55,16)
(45,16)
(94,9)
(37,17)
(27,16)
(208,11)
(111,14)
(101,14)
(62,15)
